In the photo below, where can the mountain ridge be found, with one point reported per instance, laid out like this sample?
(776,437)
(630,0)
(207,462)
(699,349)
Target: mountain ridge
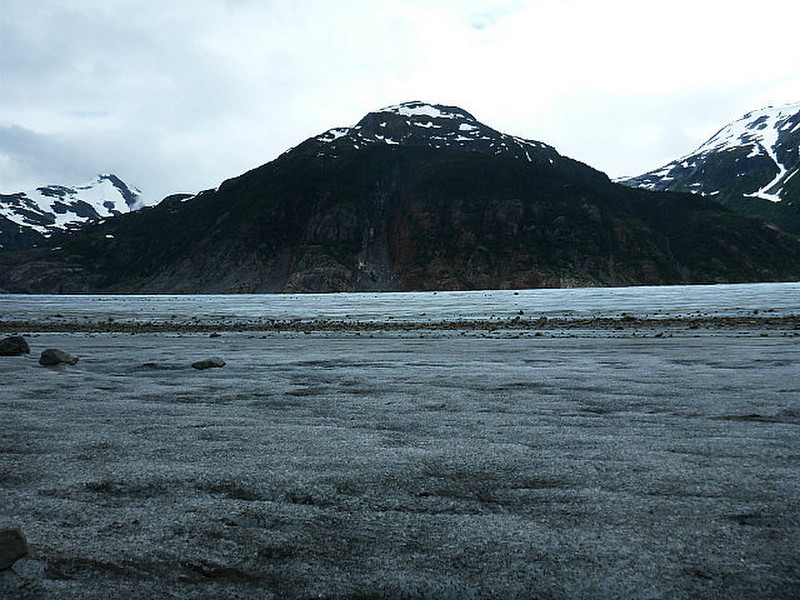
(413,197)
(750,164)
(435,126)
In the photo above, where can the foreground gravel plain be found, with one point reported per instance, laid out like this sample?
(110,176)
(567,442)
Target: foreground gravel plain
(631,459)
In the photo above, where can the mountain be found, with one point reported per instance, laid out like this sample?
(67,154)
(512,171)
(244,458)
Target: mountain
(28,218)
(749,165)
(421,125)
(413,197)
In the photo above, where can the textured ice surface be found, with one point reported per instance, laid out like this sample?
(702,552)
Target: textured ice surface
(332,467)
(644,301)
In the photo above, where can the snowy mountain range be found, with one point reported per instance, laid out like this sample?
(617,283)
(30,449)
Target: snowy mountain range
(414,196)
(28,217)
(749,165)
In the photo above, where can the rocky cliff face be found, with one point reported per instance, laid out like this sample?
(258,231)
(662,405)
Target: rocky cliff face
(413,197)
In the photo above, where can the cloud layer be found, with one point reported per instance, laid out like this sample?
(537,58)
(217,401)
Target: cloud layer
(180,96)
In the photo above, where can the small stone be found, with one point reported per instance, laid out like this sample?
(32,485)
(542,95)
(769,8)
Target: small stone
(153,366)
(29,569)
(53,356)
(15,345)
(13,546)
(209,363)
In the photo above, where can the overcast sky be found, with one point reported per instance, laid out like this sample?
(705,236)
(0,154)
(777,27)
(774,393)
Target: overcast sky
(178,96)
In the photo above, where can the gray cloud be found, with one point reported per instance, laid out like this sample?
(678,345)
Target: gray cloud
(25,155)
(179,96)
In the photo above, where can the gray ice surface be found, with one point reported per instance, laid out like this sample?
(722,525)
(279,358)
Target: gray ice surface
(349,467)
(677,301)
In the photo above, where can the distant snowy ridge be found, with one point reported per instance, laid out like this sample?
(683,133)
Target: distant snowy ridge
(426,125)
(52,208)
(755,156)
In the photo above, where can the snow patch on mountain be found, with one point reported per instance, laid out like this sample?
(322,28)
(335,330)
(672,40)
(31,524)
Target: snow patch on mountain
(417,109)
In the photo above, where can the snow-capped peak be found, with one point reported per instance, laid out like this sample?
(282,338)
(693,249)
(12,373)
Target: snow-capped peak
(755,156)
(759,127)
(49,208)
(421,124)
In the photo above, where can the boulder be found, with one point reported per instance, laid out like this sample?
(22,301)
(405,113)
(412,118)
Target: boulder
(209,363)
(14,345)
(53,356)
(13,546)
